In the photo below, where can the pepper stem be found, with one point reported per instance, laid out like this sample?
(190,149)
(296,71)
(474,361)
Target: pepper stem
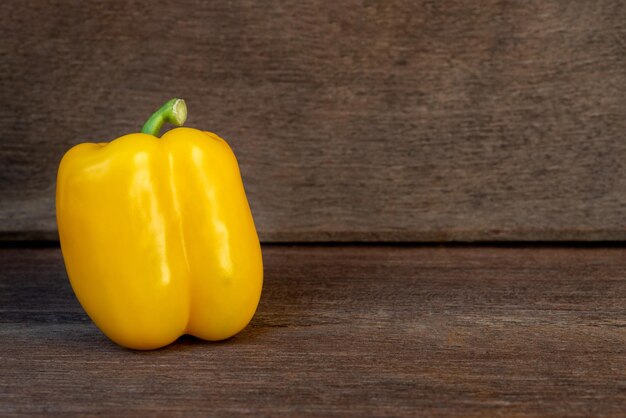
(174,112)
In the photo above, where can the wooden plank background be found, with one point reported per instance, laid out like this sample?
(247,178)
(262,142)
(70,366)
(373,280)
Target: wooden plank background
(353,120)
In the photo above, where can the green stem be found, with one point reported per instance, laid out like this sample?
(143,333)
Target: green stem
(174,112)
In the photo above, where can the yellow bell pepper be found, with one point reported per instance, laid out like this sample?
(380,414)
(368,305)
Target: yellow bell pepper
(157,234)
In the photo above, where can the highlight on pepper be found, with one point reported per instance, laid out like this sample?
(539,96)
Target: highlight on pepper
(157,234)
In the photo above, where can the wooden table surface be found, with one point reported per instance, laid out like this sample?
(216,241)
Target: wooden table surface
(343,330)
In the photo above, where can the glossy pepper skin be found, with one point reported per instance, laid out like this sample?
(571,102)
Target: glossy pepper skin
(158,238)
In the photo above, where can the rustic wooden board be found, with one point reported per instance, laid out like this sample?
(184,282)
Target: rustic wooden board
(353,120)
(365,331)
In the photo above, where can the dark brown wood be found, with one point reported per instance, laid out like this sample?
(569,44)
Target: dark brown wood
(367,331)
(389,120)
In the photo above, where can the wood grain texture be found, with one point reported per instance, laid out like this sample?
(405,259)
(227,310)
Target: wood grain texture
(355,120)
(365,331)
